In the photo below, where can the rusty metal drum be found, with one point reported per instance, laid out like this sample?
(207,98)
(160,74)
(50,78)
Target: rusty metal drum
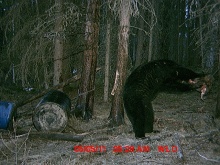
(51,113)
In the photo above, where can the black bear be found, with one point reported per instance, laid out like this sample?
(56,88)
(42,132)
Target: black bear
(143,85)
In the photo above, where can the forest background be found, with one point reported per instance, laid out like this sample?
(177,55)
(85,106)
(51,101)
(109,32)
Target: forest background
(44,43)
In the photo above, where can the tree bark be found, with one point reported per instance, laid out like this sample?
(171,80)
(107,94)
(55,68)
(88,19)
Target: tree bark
(84,105)
(117,110)
(217,109)
(201,37)
(107,57)
(141,37)
(58,51)
(151,38)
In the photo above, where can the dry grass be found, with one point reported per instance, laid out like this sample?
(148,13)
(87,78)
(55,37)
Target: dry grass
(184,115)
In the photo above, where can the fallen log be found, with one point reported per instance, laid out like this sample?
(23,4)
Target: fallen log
(42,135)
(54,136)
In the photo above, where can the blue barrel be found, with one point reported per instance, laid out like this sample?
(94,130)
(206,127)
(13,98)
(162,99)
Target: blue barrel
(6,114)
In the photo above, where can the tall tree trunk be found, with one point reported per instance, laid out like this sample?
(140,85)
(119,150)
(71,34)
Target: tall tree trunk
(84,105)
(117,110)
(141,37)
(217,109)
(58,50)
(107,62)
(179,32)
(201,37)
(151,38)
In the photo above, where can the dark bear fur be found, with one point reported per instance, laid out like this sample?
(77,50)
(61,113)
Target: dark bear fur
(142,87)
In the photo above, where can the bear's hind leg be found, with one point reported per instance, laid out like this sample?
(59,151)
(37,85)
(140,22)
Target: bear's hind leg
(139,126)
(149,117)
(138,118)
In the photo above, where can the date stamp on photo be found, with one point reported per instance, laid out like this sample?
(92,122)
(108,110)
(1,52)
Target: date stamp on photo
(123,149)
